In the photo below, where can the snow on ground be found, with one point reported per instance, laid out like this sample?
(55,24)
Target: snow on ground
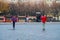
(30,31)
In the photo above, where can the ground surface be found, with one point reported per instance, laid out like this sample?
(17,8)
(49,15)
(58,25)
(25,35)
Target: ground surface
(30,31)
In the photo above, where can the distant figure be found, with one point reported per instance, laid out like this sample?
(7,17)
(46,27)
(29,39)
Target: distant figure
(14,19)
(38,18)
(4,19)
(43,20)
(27,18)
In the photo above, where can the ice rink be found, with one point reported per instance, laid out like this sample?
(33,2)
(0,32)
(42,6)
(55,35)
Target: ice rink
(30,31)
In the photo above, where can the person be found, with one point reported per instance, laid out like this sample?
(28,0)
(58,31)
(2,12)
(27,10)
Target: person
(38,18)
(27,18)
(4,19)
(14,19)
(43,20)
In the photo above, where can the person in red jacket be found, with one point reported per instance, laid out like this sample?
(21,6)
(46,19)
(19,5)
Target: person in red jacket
(43,20)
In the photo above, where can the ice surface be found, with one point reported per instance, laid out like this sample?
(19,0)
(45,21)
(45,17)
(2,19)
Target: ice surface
(30,31)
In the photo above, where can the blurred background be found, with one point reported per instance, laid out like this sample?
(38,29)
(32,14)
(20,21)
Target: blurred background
(33,8)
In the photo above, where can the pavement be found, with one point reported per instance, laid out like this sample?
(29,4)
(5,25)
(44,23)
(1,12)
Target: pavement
(30,31)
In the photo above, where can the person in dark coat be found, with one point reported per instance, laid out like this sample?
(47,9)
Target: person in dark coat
(38,18)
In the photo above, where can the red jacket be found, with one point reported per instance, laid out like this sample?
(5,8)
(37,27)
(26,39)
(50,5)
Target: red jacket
(43,19)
